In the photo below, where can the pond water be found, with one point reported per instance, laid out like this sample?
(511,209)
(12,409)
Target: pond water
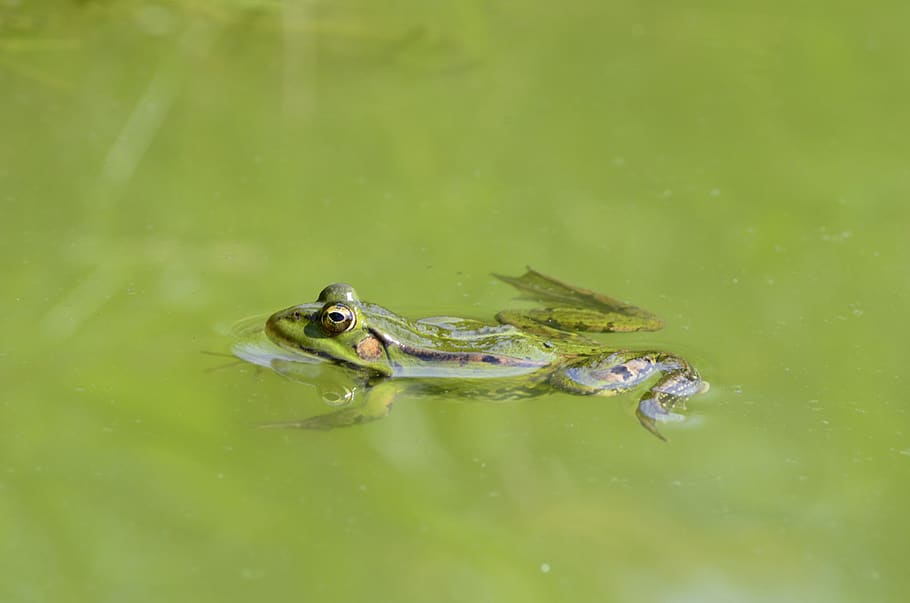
(170,168)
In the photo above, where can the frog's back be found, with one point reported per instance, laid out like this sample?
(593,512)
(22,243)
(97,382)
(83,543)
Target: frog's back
(447,347)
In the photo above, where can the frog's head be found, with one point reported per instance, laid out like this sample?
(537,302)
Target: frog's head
(333,328)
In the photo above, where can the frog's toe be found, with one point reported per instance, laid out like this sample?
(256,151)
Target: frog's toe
(650,411)
(649,423)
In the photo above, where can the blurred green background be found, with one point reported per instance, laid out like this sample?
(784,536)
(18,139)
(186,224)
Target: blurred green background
(168,168)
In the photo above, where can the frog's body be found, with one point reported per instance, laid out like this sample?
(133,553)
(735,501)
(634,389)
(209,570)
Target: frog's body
(524,353)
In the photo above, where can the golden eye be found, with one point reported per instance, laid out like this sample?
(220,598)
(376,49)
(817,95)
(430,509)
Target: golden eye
(338,318)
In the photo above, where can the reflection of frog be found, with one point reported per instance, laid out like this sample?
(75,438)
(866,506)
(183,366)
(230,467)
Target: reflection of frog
(526,353)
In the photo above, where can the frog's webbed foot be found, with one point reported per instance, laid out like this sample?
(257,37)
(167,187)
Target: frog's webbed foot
(658,406)
(571,308)
(621,371)
(679,383)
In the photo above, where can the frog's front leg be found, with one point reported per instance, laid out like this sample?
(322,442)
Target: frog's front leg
(621,371)
(376,404)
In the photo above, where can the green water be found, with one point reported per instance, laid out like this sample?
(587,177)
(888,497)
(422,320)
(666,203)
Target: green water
(167,169)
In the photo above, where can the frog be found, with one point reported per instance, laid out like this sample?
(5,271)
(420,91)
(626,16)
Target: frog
(521,353)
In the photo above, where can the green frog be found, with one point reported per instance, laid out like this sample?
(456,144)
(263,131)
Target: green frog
(523,353)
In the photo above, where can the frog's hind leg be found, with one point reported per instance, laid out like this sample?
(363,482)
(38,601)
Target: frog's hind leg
(679,382)
(621,371)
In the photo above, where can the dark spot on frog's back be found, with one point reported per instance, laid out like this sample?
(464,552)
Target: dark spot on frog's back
(464,358)
(622,372)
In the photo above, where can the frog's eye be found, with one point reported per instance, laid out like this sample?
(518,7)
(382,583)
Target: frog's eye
(338,318)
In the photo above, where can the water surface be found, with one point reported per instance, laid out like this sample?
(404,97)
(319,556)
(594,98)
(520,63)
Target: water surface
(169,168)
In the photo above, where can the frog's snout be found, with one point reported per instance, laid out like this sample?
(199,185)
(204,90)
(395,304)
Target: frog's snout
(280,324)
(271,325)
